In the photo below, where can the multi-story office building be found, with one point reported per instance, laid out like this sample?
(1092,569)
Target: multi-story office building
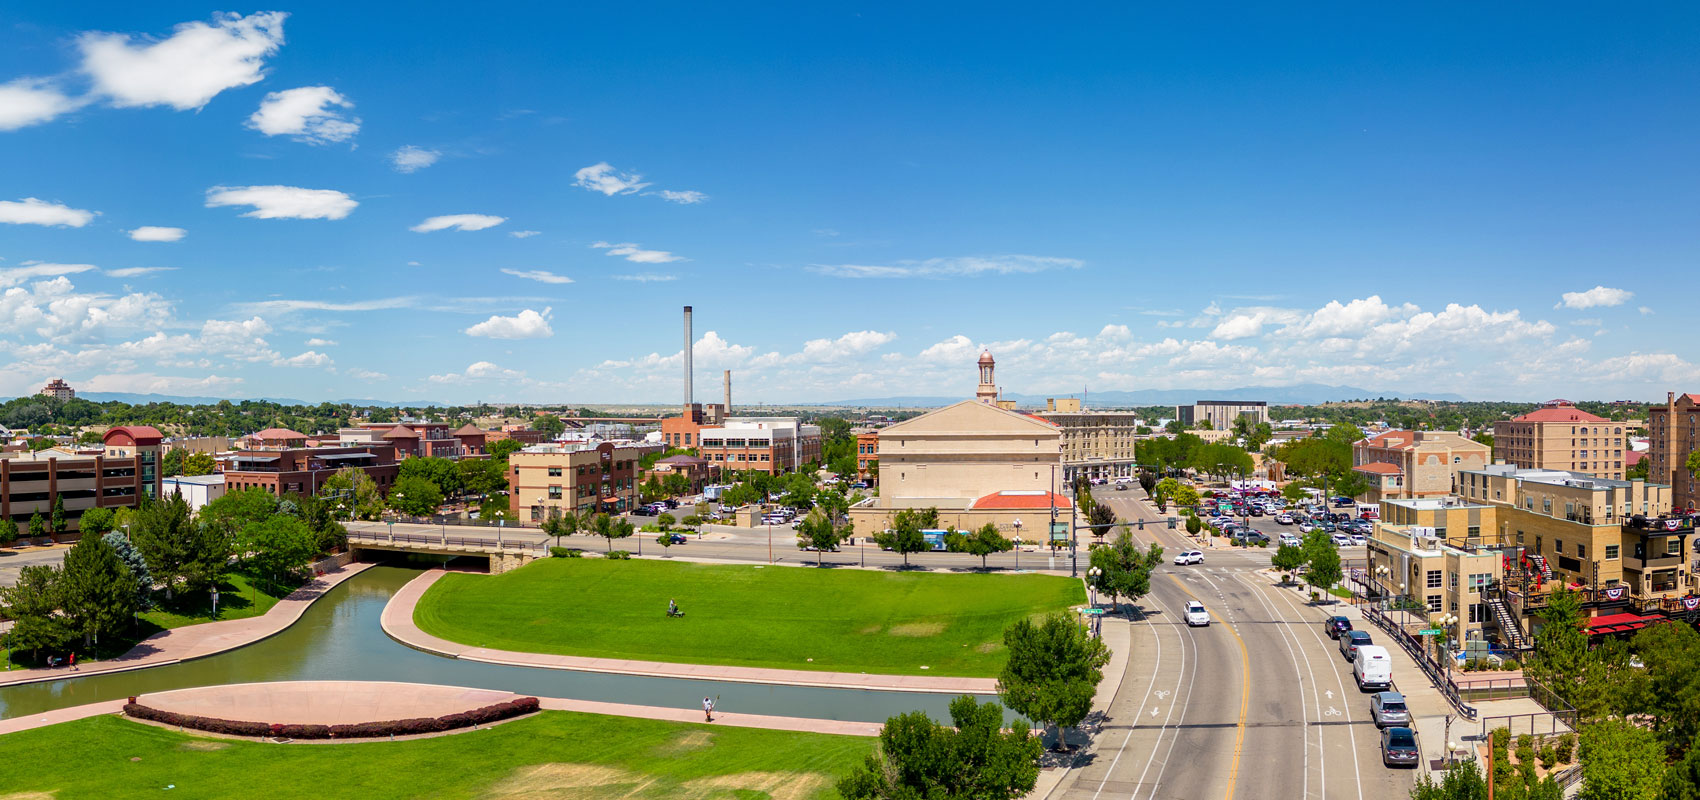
(123,474)
(427,439)
(58,389)
(1222,413)
(768,444)
(578,477)
(1405,464)
(1560,436)
(1673,432)
(1095,444)
(867,455)
(303,470)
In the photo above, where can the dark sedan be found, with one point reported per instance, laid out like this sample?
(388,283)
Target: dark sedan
(1399,747)
(1334,626)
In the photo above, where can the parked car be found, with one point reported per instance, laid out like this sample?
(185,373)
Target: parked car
(1289,539)
(1399,747)
(1350,641)
(1342,502)
(1372,668)
(1196,616)
(1388,708)
(1189,557)
(1341,540)
(1359,540)
(1284,518)
(1334,626)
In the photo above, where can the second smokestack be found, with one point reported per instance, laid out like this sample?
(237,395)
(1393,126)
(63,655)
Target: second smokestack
(728,379)
(687,357)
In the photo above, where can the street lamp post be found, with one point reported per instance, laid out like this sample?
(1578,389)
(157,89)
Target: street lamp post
(1017,524)
(1092,583)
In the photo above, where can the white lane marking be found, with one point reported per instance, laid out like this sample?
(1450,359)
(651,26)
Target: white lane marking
(1175,735)
(1329,694)
(1149,685)
(1293,652)
(1331,712)
(1340,683)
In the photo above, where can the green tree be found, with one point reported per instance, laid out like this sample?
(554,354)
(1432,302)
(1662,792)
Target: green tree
(279,547)
(95,522)
(210,546)
(481,476)
(57,515)
(1287,558)
(38,526)
(33,605)
(415,495)
(1054,668)
(240,508)
(1693,464)
(1352,484)
(1175,426)
(1621,761)
(354,493)
(1343,433)
(1461,782)
(1668,689)
(8,530)
(502,448)
(562,523)
(138,566)
(97,592)
(199,464)
(548,423)
(1124,571)
(171,464)
(1682,779)
(975,758)
(651,490)
(610,528)
(905,534)
(819,530)
(1561,658)
(740,495)
(1324,571)
(1185,495)
(665,521)
(161,530)
(984,542)
(1294,492)
(1194,524)
(440,472)
(1165,490)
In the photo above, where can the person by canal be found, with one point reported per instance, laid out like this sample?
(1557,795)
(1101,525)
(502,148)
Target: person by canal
(707,709)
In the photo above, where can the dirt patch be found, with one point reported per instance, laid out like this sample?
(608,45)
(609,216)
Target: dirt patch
(203,746)
(988,647)
(686,742)
(569,782)
(917,629)
(27,796)
(776,785)
(870,630)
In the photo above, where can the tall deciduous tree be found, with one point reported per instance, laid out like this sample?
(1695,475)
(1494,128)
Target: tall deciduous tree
(1124,571)
(1053,670)
(95,522)
(1621,761)
(161,529)
(415,495)
(976,758)
(280,546)
(1324,571)
(199,464)
(1287,558)
(353,492)
(981,542)
(562,523)
(820,531)
(905,535)
(97,592)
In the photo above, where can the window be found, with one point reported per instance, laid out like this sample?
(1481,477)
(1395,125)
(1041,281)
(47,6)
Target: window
(1581,550)
(1558,546)
(1479,581)
(554,472)
(1434,579)
(1452,605)
(1478,612)
(1453,583)
(1434,604)
(1673,546)
(1611,552)
(554,493)
(1474,532)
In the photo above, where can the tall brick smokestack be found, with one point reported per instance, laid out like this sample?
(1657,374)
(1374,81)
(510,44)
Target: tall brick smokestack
(687,356)
(728,379)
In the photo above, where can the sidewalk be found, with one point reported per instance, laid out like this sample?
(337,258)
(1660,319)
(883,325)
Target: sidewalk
(197,641)
(1118,636)
(397,621)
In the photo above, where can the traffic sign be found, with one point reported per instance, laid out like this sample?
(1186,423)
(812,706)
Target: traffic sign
(1430,632)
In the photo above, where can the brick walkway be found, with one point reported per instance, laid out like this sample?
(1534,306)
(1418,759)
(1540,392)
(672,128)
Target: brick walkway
(398,623)
(197,641)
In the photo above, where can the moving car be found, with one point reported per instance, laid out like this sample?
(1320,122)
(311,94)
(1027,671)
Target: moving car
(1334,626)
(1350,641)
(1372,668)
(678,538)
(1388,708)
(1196,616)
(1399,747)
(1189,557)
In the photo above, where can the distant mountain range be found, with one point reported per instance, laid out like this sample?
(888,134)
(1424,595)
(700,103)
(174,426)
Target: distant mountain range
(186,400)
(1302,393)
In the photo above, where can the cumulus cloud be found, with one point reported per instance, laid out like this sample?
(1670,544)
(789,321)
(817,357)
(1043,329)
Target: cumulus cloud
(1350,319)
(307,359)
(602,177)
(150,383)
(961,267)
(539,275)
(685,198)
(155,233)
(317,342)
(1645,310)
(523,234)
(459,222)
(57,310)
(632,252)
(308,114)
(31,101)
(850,345)
(528,324)
(283,202)
(1597,297)
(1248,322)
(366,375)
(188,68)
(32,211)
(478,371)
(409,158)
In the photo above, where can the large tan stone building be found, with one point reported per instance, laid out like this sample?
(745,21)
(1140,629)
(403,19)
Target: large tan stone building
(1221,414)
(559,477)
(1405,464)
(1560,436)
(1673,432)
(1095,444)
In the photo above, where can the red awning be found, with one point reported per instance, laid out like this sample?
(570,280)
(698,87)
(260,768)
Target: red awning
(1618,623)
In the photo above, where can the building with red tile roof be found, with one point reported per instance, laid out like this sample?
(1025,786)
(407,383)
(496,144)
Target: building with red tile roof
(1402,464)
(1558,435)
(120,475)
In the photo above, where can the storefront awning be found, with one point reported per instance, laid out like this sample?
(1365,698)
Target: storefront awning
(1618,623)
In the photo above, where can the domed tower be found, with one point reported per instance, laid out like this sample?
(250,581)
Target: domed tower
(987,391)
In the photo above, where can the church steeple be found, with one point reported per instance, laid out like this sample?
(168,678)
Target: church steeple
(987,392)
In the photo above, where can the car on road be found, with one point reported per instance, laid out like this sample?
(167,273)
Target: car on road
(1189,557)
(1342,502)
(1350,641)
(1196,616)
(1336,625)
(678,538)
(1399,747)
(1372,668)
(1121,487)
(1388,708)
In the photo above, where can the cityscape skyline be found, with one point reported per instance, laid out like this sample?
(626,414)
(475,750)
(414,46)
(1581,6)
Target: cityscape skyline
(324,203)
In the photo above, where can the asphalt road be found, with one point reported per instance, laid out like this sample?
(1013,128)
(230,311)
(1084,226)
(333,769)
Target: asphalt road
(12,562)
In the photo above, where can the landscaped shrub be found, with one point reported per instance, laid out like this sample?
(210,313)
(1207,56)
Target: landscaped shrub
(618,555)
(1548,756)
(565,552)
(1510,663)
(1525,741)
(363,730)
(1566,748)
(691,520)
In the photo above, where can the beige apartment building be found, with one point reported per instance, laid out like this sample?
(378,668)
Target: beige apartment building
(1429,549)
(568,476)
(1095,444)
(1222,413)
(1405,464)
(1672,434)
(1560,436)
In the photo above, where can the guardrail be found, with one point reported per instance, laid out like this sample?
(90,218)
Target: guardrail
(1414,647)
(1480,689)
(477,544)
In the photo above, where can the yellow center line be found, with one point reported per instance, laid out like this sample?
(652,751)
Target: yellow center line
(1245,694)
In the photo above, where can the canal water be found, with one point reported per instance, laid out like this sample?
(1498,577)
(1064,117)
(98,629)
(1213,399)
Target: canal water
(339,638)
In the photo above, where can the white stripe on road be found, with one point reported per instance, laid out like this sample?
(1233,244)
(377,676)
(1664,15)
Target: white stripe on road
(1293,652)
(1357,773)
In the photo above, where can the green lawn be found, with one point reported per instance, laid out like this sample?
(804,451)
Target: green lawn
(553,754)
(846,620)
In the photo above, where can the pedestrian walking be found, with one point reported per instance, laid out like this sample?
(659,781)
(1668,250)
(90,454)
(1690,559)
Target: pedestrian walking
(707,710)
(73,662)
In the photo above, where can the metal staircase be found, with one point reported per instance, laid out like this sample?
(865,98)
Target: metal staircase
(1508,626)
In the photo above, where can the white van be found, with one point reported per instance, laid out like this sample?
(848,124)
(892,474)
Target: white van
(1372,668)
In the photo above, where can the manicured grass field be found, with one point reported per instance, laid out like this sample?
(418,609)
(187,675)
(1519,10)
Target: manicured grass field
(845,620)
(553,754)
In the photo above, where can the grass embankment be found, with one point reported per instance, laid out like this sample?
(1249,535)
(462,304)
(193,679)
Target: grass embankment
(553,754)
(845,620)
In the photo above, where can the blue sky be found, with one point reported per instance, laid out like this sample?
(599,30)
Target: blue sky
(332,201)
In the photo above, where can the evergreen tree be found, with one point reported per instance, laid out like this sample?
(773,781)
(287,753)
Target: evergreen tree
(161,530)
(97,592)
(210,546)
(8,530)
(38,526)
(33,604)
(137,565)
(57,515)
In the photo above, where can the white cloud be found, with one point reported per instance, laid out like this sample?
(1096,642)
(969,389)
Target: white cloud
(539,275)
(155,233)
(283,202)
(632,252)
(1598,296)
(460,222)
(12,276)
(366,375)
(601,177)
(317,342)
(528,325)
(961,267)
(307,359)
(187,69)
(646,277)
(55,309)
(149,383)
(523,234)
(137,272)
(478,371)
(685,198)
(31,211)
(413,159)
(1645,310)
(31,101)
(957,348)
(308,114)
(290,306)
(850,345)
(1248,322)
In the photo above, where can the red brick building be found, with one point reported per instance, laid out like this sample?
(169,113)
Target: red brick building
(304,470)
(1673,431)
(120,476)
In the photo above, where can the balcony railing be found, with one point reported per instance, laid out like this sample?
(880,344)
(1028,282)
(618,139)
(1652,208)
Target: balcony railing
(1646,525)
